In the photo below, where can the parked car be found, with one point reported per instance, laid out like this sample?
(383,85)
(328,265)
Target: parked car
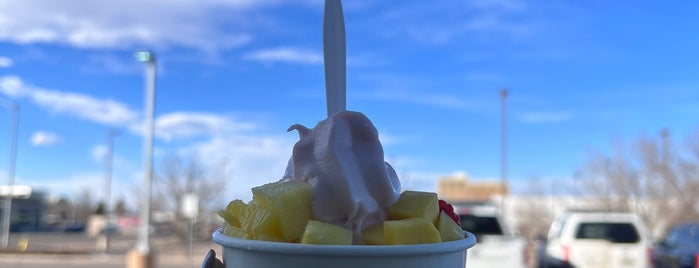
(496,245)
(597,239)
(679,248)
(74,227)
(110,229)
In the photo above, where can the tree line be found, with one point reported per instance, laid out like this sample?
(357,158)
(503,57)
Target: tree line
(652,176)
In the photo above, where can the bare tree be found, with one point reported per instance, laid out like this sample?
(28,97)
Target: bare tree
(652,179)
(120,208)
(84,206)
(533,214)
(59,211)
(178,176)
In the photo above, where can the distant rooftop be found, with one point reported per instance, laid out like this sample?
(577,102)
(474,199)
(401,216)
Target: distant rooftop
(459,188)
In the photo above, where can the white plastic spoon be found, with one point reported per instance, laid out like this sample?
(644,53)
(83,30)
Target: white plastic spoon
(334,55)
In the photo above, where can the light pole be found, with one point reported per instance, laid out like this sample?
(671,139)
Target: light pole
(503,146)
(142,255)
(109,161)
(7,208)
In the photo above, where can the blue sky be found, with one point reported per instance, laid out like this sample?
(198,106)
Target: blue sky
(234,75)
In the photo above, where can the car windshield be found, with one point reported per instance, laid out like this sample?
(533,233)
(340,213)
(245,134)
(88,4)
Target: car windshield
(613,232)
(688,236)
(481,225)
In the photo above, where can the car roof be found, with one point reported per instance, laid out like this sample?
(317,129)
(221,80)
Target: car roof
(477,209)
(600,216)
(583,211)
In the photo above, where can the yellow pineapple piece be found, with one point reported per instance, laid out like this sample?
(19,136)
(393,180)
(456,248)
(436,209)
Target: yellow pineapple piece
(373,235)
(233,212)
(410,231)
(448,229)
(234,231)
(289,205)
(321,233)
(260,223)
(415,204)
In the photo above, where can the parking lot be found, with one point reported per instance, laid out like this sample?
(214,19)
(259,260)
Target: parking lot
(80,250)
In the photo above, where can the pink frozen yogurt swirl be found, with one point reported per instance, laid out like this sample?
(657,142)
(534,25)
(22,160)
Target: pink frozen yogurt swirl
(343,160)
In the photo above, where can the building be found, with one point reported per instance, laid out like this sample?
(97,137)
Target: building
(27,212)
(459,188)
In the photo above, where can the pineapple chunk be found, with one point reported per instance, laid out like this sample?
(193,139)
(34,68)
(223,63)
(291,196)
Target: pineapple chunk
(289,203)
(321,233)
(234,231)
(233,212)
(414,204)
(448,229)
(373,235)
(260,223)
(410,231)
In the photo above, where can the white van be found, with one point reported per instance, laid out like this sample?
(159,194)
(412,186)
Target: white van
(496,245)
(585,239)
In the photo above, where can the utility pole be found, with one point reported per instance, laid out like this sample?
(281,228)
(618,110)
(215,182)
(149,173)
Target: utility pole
(108,211)
(503,146)
(7,206)
(142,256)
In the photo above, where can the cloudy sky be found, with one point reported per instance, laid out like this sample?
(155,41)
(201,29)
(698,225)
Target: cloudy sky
(234,75)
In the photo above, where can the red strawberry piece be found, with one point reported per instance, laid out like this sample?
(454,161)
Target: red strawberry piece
(449,210)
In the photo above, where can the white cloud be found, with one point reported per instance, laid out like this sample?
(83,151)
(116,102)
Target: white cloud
(285,54)
(179,125)
(113,113)
(388,139)
(544,117)
(43,138)
(107,112)
(252,160)
(128,23)
(11,86)
(5,62)
(98,152)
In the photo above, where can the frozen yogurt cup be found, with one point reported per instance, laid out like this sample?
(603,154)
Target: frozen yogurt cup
(245,253)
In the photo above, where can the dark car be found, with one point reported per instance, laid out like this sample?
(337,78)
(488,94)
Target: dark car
(679,248)
(74,227)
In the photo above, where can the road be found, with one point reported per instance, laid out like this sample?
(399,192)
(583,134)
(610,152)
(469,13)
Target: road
(56,250)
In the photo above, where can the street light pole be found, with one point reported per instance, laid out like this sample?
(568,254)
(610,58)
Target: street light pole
(109,161)
(503,146)
(142,255)
(7,208)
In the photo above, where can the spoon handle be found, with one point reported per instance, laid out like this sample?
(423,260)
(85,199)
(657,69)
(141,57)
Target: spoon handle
(334,56)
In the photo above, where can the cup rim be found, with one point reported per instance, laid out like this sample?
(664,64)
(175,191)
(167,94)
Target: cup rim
(344,250)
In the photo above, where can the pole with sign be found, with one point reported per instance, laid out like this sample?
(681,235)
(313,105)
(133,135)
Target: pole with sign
(190,209)
(142,256)
(7,205)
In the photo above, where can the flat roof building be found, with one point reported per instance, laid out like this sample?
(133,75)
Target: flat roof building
(459,188)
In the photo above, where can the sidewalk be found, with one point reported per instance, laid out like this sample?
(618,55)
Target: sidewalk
(68,249)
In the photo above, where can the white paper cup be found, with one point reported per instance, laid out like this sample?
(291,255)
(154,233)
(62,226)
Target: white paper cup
(244,253)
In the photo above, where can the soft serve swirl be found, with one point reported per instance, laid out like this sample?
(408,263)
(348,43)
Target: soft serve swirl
(342,158)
